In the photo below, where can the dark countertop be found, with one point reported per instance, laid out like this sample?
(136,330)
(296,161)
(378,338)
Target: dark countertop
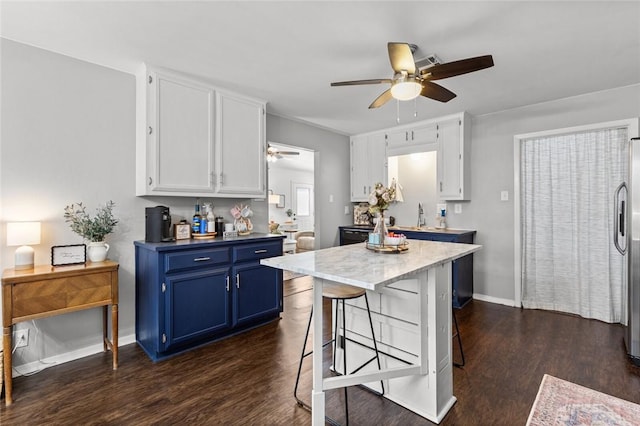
(451,231)
(255,236)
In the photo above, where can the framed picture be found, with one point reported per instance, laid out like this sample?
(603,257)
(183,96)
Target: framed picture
(182,231)
(68,255)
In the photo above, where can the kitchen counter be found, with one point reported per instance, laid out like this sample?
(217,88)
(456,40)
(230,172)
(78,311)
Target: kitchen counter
(410,297)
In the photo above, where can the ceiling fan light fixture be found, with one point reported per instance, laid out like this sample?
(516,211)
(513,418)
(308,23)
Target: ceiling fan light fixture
(406,90)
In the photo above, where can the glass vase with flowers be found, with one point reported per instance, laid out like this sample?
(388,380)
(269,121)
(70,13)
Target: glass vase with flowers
(379,201)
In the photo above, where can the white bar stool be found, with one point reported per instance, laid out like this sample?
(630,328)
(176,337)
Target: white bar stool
(339,293)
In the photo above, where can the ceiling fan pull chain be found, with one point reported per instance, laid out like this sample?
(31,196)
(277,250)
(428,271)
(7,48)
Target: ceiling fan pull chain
(415,107)
(397,111)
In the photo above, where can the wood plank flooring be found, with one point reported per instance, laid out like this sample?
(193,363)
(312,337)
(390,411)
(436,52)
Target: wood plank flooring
(248,379)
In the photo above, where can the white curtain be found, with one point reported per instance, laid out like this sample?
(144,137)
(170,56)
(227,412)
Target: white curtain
(569,262)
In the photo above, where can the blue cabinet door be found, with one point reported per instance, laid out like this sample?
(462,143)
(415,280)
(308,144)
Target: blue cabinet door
(257,292)
(197,304)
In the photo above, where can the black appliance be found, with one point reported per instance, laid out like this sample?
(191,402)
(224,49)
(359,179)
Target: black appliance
(157,224)
(354,236)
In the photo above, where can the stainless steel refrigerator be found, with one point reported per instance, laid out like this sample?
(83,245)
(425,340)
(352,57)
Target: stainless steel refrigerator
(627,240)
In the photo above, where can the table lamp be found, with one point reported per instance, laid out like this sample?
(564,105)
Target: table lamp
(23,234)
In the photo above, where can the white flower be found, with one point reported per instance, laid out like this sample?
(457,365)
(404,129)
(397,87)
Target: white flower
(373,200)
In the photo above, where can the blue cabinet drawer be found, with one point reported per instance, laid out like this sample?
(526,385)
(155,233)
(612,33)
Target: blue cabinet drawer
(185,260)
(257,251)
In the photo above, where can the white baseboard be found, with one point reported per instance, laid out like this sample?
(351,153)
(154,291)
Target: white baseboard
(497,300)
(37,366)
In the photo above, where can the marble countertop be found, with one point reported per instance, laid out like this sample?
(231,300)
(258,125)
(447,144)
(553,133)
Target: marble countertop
(356,265)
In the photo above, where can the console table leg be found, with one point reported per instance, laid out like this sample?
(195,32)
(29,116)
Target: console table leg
(105,324)
(6,348)
(114,334)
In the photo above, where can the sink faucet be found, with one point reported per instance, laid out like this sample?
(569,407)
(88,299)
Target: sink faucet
(420,215)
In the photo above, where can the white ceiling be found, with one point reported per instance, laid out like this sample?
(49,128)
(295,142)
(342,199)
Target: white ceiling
(287,52)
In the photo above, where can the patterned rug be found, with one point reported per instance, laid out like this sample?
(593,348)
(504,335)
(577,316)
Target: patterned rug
(564,403)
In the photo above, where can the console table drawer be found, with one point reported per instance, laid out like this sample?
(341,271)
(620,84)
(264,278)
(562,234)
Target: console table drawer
(60,294)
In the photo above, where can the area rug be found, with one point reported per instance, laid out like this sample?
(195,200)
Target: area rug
(564,403)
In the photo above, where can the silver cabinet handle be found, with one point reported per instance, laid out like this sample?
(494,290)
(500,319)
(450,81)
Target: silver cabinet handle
(260,251)
(227,282)
(201,259)
(238,280)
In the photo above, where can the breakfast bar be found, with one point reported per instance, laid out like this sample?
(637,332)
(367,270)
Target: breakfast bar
(410,295)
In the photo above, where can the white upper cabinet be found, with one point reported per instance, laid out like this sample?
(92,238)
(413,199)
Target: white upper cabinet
(419,137)
(368,164)
(454,178)
(241,151)
(449,136)
(191,137)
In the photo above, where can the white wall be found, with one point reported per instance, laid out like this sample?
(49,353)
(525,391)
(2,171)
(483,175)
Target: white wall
(280,180)
(68,135)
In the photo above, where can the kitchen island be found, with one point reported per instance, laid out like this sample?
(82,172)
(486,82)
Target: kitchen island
(410,297)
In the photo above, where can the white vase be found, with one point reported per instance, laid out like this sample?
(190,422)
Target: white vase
(97,251)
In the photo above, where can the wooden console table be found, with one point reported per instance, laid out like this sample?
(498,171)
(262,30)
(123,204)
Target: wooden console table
(46,291)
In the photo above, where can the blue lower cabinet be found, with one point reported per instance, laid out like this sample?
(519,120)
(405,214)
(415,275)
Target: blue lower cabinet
(198,305)
(192,293)
(258,293)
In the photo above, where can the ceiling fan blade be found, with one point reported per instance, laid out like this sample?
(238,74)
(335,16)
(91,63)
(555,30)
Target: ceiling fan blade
(401,57)
(463,66)
(382,99)
(288,153)
(355,82)
(437,92)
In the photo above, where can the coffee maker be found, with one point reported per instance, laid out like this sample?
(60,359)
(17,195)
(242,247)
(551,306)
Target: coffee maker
(157,224)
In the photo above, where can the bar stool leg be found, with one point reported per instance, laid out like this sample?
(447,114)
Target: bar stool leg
(344,358)
(302,356)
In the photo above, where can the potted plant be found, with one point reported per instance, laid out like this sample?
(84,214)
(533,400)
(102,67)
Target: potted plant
(92,229)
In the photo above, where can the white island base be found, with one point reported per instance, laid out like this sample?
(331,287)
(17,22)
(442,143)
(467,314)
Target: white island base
(410,301)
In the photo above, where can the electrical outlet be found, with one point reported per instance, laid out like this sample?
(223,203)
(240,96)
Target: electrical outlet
(21,338)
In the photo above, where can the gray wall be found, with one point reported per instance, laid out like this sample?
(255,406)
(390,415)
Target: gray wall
(68,135)
(492,168)
(331,173)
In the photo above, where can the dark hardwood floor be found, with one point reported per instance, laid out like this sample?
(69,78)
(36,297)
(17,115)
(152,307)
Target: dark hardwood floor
(248,379)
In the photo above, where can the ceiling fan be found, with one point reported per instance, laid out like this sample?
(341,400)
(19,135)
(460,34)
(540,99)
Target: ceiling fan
(409,81)
(274,154)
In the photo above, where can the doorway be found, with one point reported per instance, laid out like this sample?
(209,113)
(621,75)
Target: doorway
(291,182)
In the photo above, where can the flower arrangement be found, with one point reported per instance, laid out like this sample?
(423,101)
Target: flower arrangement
(91,229)
(381,197)
(241,215)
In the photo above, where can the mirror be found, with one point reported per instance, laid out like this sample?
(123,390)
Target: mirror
(416,174)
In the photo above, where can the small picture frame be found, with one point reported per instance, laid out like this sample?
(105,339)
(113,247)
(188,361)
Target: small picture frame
(73,254)
(182,231)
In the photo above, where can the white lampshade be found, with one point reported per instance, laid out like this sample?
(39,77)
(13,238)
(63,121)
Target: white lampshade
(23,234)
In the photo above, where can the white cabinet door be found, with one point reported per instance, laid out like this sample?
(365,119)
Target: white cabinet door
(409,140)
(368,164)
(377,155)
(453,179)
(240,146)
(193,139)
(359,169)
(179,139)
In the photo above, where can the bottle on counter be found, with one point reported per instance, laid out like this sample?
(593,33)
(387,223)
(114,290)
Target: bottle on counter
(211,220)
(197,219)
